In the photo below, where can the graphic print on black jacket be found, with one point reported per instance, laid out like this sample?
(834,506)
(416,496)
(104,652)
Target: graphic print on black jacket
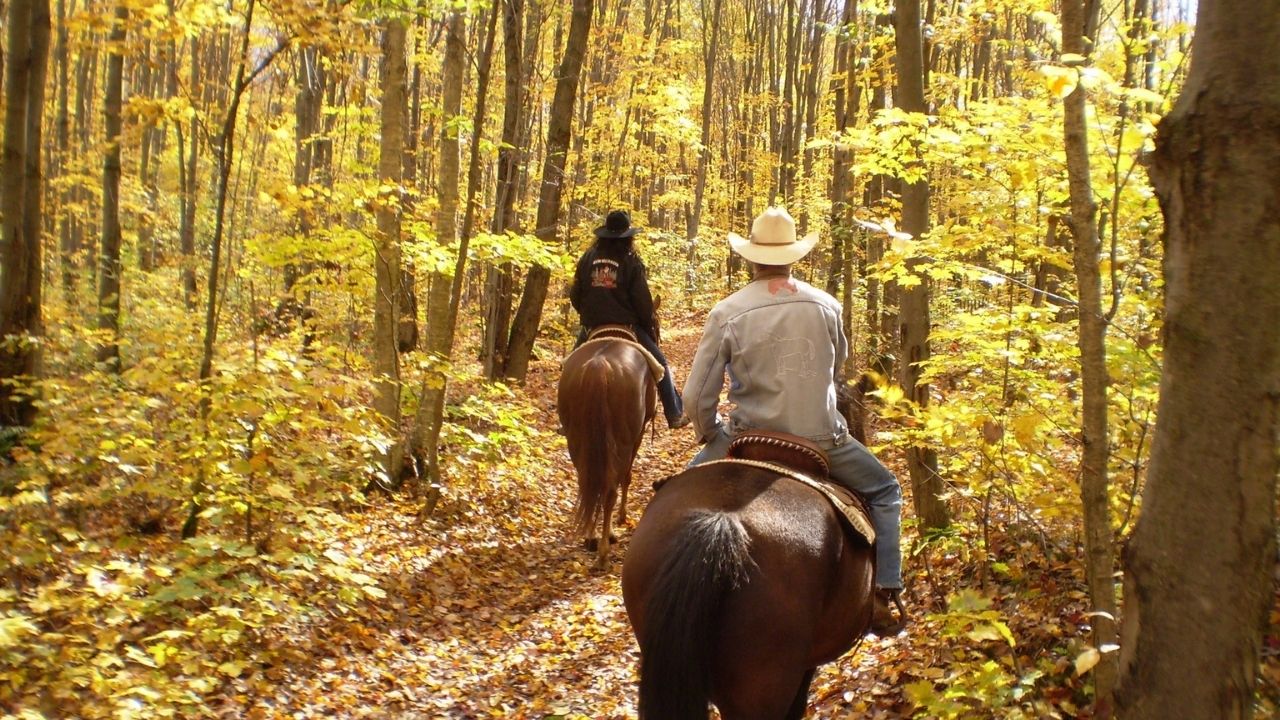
(611,287)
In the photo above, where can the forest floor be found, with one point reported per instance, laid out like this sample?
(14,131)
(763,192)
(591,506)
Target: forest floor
(492,612)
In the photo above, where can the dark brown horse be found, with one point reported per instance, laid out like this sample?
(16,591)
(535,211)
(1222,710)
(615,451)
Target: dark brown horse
(739,582)
(605,399)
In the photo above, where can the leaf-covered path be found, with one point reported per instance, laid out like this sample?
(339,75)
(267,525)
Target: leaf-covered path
(492,611)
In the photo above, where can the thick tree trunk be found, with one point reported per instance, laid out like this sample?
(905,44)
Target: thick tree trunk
(913,315)
(20,208)
(426,440)
(524,328)
(109,255)
(1199,583)
(386,362)
(1094,493)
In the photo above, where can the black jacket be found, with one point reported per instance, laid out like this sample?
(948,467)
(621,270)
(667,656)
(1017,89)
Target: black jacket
(612,287)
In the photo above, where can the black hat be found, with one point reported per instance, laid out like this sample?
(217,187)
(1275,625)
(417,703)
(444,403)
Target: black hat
(616,225)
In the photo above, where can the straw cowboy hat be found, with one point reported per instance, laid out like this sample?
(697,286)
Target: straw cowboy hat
(773,239)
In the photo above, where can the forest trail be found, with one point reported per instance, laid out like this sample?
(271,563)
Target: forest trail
(491,616)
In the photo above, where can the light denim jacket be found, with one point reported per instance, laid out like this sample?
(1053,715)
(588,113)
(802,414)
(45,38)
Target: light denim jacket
(781,342)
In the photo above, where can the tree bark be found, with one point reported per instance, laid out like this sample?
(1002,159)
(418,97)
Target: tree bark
(1094,492)
(1199,583)
(20,208)
(524,328)
(386,358)
(110,268)
(711,43)
(426,441)
(913,314)
(62,133)
(498,280)
(847,100)
(187,166)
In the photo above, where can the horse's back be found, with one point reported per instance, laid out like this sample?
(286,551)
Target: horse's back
(612,375)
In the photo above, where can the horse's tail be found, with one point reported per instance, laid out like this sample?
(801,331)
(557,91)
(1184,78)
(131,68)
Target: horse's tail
(710,555)
(595,477)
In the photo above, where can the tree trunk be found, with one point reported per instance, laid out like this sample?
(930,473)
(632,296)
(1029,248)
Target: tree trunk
(430,417)
(386,365)
(20,196)
(498,280)
(109,255)
(847,97)
(62,132)
(146,86)
(1199,583)
(1099,560)
(913,314)
(524,328)
(710,42)
(307,109)
(187,167)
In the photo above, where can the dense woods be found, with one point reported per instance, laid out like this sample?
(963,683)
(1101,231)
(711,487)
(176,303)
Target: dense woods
(282,290)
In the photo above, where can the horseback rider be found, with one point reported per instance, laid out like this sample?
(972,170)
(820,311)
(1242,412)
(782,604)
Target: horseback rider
(611,287)
(782,343)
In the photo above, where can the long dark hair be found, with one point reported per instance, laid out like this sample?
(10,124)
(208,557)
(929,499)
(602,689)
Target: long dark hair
(615,248)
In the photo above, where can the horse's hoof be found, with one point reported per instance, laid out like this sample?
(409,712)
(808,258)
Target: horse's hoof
(590,544)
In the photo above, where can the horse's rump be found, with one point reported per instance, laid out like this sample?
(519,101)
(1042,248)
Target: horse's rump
(800,597)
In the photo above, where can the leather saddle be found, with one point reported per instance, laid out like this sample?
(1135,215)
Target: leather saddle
(621,332)
(601,333)
(804,461)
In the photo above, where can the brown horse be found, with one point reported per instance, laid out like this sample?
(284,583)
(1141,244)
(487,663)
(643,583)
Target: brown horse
(739,582)
(606,397)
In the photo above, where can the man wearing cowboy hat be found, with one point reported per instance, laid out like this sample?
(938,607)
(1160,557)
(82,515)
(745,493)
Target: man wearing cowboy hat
(782,343)
(611,287)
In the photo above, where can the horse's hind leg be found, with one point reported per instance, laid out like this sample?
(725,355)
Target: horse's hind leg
(801,702)
(622,505)
(602,552)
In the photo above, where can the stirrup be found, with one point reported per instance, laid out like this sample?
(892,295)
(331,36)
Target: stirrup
(883,624)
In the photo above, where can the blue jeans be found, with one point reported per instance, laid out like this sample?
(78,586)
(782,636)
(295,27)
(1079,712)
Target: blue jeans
(853,466)
(672,405)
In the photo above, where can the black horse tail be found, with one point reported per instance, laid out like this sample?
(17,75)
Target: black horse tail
(710,555)
(591,432)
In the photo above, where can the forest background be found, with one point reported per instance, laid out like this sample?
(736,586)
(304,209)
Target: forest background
(284,279)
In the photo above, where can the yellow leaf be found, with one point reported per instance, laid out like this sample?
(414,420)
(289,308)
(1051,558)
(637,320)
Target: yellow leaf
(14,628)
(891,394)
(1086,660)
(1060,81)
